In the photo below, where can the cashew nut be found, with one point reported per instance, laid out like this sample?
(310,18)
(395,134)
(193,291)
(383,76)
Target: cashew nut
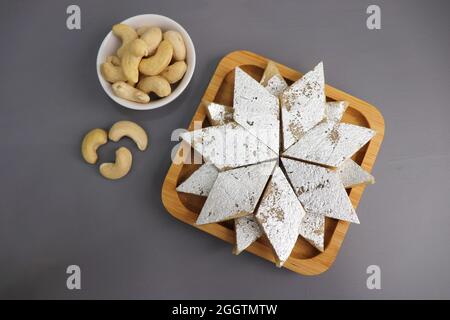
(159,61)
(177,42)
(131,58)
(125,91)
(129,129)
(152,36)
(91,142)
(141,30)
(120,168)
(175,72)
(112,73)
(159,85)
(115,60)
(126,34)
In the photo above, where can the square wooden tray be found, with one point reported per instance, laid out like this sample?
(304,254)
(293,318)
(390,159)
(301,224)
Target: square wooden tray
(305,259)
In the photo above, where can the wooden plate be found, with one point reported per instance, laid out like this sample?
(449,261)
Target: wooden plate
(304,259)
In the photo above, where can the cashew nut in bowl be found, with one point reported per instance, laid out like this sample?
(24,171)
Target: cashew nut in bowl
(111,72)
(132,57)
(129,129)
(91,142)
(141,30)
(120,168)
(115,60)
(159,85)
(177,42)
(155,64)
(127,73)
(175,72)
(152,36)
(125,91)
(126,34)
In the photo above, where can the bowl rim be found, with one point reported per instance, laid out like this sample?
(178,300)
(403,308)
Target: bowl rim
(182,85)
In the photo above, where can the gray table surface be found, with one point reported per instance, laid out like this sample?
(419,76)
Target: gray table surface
(55,210)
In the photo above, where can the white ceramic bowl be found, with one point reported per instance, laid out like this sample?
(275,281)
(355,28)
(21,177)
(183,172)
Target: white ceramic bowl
(111,43)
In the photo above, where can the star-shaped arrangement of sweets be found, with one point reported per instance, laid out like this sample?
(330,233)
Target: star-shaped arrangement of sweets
(277,162)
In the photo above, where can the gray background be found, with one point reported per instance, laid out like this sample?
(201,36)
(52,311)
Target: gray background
(55,210)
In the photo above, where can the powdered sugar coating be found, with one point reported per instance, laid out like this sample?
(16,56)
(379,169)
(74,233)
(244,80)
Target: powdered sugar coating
(312,229)
(235,193)
(320,190)
(276,85)
(280,214)
(351,174)
(228,146)
(247,231)
(302,105)
(335,110)
(219,114)
(330,143)
(201,181)
(256,109)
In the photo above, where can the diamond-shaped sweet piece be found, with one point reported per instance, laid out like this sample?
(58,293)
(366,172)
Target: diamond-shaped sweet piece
(270,71)
(351,174)
(201,181)
(302,105)
(335,110)
(272,79)
(256,109)
(247,231)
(276,85)
(320,190)
(219,114)
(235,193)
(330,143)
(312,229)
(280,214)
(228,146)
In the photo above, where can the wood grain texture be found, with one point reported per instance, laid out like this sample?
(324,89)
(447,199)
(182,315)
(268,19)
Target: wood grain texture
(304,259)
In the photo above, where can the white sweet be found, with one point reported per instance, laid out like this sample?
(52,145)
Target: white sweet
(280,214)
(302,105)
(247,231)
(351,174)
(235,193)
(320,190)
(270,70)
(219,114)
(228,146)
(312,229)
(330,143)
(256,109)
(335,110)
(272,79)
(201,181)
(276,85)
